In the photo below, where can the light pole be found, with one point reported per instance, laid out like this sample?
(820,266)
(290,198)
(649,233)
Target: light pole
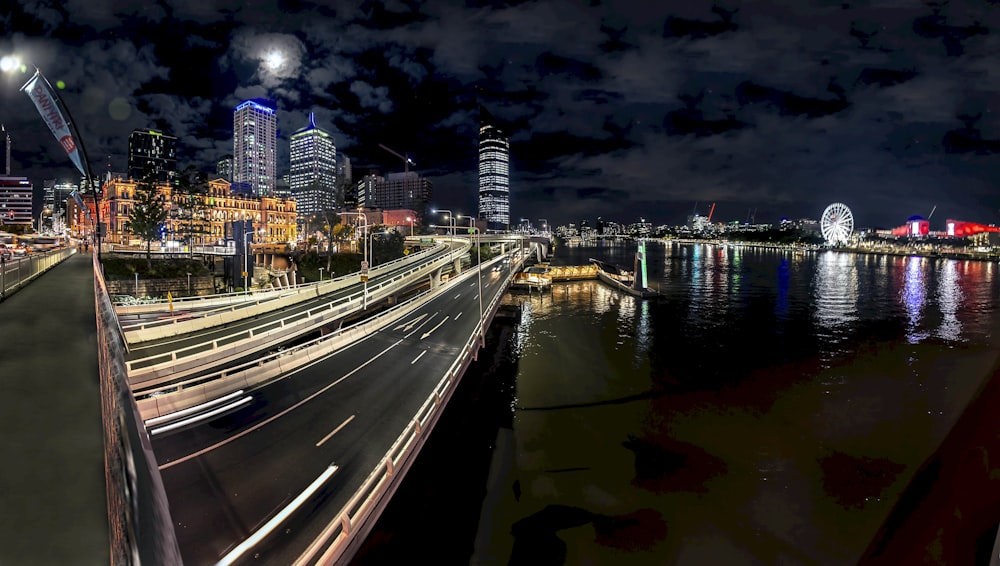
(364,264)
(545,225)
(410,220)
(479,275)
(451,218)
(321,273)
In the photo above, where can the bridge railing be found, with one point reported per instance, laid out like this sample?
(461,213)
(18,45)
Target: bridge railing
(339,535)
(170,367)
(140,528)
(16,273)
(174,326)
(160,305)
(165,399)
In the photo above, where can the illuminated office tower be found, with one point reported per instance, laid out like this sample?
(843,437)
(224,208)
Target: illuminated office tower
(152,150)
(255,140)
(494,173)
(313,174)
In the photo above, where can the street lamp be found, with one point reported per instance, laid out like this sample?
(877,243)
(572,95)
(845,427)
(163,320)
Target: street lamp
(410,220)
(545,226)
(364,264)
(451,218)
(40,214)
(479,275)
(321,273)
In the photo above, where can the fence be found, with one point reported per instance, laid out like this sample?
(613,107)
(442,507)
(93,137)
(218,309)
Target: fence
(16,273)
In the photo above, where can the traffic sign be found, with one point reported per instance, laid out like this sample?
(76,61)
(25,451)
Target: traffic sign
(364,268)
(364,278)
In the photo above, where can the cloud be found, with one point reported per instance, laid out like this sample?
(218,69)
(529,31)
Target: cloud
(372,97)
(278,56)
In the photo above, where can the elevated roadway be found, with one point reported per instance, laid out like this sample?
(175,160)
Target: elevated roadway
(296,470)
(160,362)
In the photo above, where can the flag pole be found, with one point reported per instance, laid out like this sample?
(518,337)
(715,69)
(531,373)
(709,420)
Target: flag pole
(78,142)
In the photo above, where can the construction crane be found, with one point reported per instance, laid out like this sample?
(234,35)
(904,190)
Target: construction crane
(710,211)
(406,158)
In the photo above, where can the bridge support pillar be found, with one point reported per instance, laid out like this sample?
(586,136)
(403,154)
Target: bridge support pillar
(435,278)
(457,265)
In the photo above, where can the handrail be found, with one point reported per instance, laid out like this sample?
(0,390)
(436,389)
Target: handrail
(154,305)
(338,532)
(150,364)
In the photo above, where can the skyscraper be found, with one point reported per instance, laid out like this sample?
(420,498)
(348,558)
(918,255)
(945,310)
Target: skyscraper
(4,151)
(313,175)
(152,149)
(494,173)
(224,168)
(255,140)
(395,191)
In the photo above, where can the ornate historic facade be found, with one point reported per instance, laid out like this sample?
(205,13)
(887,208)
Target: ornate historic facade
(210,221)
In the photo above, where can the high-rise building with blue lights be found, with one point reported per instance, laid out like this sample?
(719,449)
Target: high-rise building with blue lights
(494,173)
(313,173)
(255,141)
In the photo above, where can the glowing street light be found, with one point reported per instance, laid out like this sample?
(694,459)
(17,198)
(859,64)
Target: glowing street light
(410,220)
(450,218)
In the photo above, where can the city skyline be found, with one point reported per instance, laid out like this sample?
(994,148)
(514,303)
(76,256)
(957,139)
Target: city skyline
(609,108)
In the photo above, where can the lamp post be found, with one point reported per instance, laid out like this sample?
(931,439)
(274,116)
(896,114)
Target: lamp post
(479,275)
(545,225)
(321,273)
(410,220)
(451,218)
(364,264)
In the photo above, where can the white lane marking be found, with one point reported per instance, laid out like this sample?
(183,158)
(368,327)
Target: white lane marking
(422,324)
(185,412)
(428,333)
(458,295)
(202,417)
(418,357)
(255,538)
(281,414)
(406,326)
(459,316)
(335,431)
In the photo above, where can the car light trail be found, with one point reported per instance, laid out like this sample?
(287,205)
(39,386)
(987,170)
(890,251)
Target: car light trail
(201,417)
(277,519)
(183,413)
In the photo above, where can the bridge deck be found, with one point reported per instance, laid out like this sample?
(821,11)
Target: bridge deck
(52,478)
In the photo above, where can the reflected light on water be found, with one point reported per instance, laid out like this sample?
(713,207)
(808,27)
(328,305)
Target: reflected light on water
(836,293)
(914,295)
(949,298)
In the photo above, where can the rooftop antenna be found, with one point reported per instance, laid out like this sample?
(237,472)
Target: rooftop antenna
(932,212)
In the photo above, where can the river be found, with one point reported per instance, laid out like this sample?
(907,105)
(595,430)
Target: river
(770,407)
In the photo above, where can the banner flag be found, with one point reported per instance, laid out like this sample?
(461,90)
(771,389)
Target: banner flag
(40,92)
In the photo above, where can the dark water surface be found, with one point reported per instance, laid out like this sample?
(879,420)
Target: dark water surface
(769,408)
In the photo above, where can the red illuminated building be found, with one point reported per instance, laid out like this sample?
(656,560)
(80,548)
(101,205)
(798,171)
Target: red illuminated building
(961,229)
(917,226)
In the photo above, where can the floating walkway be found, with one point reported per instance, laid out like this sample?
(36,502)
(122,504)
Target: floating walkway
(541,277)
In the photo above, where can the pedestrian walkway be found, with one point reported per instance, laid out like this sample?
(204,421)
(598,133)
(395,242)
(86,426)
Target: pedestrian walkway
(53,508)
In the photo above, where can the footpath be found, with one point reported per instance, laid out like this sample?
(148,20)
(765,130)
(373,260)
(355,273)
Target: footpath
(52,486)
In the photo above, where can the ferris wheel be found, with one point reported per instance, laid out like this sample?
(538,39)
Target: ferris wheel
(837,223)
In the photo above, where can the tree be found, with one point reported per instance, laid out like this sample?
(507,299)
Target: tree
(147,214)
(387,246)
(191,208)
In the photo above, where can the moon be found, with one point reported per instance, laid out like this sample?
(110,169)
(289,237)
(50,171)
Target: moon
(274,59)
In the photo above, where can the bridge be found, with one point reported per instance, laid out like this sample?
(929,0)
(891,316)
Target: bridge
(275,426)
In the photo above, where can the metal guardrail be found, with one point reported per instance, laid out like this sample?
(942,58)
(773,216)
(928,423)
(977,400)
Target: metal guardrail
(156,330)
(338,536)
(161,305)
(176,364)
(139,523)
(16,273)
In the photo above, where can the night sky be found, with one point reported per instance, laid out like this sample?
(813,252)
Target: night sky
(614,109)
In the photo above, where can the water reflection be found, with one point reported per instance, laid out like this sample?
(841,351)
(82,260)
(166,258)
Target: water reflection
(914,294)
(836,294)
(949,299)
